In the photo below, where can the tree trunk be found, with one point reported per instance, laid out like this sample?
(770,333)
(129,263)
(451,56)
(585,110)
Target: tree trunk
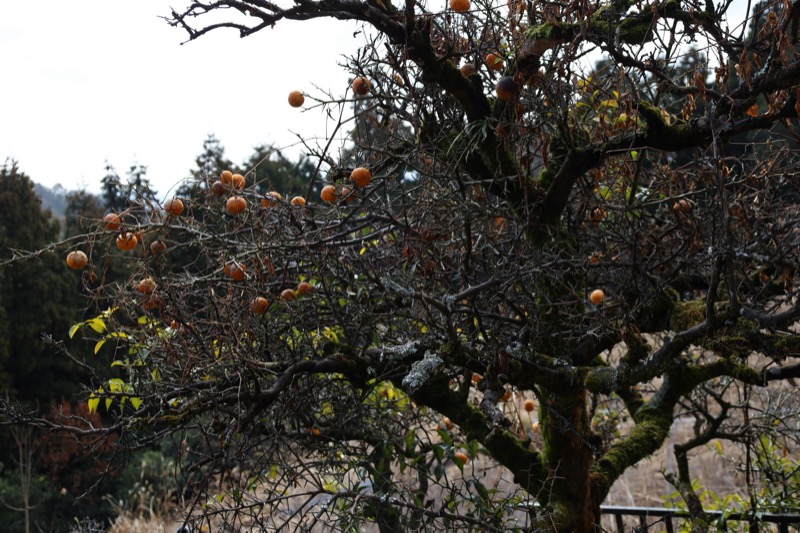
(569,454)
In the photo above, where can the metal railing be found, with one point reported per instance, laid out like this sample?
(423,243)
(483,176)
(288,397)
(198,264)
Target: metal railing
(650,517)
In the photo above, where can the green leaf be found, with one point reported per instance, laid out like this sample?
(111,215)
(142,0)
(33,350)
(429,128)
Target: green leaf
(411,440)
(438,472)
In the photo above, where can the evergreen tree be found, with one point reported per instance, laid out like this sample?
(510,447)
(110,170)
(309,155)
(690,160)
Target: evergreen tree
(209,164)
(38,297)
(270,170)
(135,193)
(82,210)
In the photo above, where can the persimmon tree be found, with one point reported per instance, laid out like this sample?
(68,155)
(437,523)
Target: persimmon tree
(616,245)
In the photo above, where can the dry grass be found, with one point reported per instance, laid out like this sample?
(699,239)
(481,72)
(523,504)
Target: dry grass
(127,523)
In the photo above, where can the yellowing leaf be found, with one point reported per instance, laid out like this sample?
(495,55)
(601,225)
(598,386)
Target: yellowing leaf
(74,329)
(99,345)
(136,402)
(116,385)
(92,403)
(97,324)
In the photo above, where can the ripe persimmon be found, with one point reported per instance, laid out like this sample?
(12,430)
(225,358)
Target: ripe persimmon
(153,301)
(346,195)
(218,188)
(238,181)
(328,193)
(361,176)
(505,88)
(126,241)
(226,177)
(682,206)
(157,247)
(288,294)
(174,206)
(76,260)
(494,62)
(597,297)
(298,201)
(361,86)
(304,288)
(468,69)
(598,214)
(112,221)
(528,405)
(505,397)
(447,423)
(259,305)
(235,205)
(270,199)
(234,271)
(146,286)
(459,6)
(296,99)
(461,457)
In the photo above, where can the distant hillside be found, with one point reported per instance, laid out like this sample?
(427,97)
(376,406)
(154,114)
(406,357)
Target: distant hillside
(54,199)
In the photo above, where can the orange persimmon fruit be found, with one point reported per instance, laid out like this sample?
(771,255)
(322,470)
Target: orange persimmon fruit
(76,260)
(361,176)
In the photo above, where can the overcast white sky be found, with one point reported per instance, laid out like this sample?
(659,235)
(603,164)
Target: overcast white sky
(93,80)
(90,81)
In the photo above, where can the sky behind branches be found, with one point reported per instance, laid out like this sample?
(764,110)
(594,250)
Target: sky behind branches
(107,80)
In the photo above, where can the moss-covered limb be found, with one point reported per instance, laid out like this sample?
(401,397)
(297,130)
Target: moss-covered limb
(605,24)
(504,446)
(740,337)
(781,320)
(632,398)
(653,422)
(634,28)
(683,481)
(699,519)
